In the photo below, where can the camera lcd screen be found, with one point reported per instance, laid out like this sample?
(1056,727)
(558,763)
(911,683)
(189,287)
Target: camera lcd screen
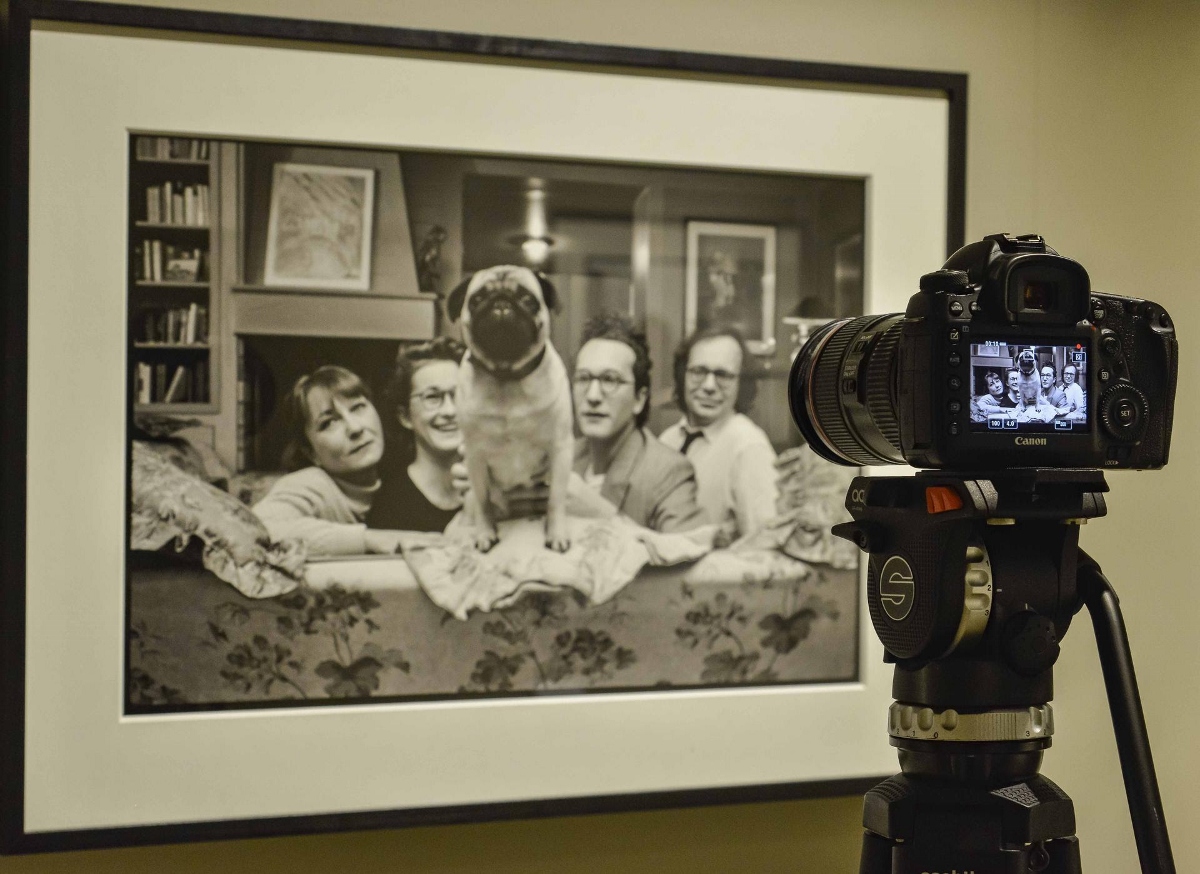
(1019,388)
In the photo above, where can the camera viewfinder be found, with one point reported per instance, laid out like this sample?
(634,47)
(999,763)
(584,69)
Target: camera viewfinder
(1040,295)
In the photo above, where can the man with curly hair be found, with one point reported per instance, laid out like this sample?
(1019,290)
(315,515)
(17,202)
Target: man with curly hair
(647,482)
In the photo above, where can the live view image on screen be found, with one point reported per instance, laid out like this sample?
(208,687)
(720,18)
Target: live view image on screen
(1018,387)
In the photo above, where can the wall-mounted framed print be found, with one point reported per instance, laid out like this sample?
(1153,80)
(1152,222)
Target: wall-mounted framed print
(174,668)
(731,281)
(319,231)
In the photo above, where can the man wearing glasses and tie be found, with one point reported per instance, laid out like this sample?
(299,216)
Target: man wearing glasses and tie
(642,478)
(733,457)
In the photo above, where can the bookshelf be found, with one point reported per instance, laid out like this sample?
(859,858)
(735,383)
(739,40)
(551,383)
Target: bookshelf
(173,249)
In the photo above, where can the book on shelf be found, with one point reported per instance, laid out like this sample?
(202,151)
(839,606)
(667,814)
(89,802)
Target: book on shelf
(177,387)
(177,203)
(156,261)
(171,149)
(171,384)
(142,377)
(176,326)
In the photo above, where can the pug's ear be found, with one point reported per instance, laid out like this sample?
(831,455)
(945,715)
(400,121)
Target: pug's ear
(549,292)
(454,303)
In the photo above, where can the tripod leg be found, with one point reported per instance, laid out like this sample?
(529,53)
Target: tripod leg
(1129,723)
(876,854)
(1062,857)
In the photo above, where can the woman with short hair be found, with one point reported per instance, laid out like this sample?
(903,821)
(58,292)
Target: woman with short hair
(335,447)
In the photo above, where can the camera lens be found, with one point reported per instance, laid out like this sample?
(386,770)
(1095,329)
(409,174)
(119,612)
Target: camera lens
(842,391)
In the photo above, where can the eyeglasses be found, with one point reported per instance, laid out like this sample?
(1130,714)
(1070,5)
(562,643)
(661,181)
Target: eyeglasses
(431,400)
(696,375)
(609,381)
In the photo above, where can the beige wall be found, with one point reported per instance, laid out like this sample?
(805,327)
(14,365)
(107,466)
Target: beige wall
(1083,124)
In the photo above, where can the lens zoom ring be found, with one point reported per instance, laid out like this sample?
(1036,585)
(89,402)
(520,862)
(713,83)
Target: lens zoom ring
(827,404)
(879,385)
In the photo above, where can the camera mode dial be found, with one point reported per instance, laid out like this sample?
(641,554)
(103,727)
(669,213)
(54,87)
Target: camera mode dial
(945,281)
(1123,411)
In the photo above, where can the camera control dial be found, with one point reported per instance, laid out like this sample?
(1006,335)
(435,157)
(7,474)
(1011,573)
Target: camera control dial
(1123,412)
(946,281)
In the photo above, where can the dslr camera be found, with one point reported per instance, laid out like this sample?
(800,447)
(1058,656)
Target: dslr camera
(1005,358)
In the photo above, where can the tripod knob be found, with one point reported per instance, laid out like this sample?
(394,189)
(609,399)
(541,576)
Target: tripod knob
(1030,643)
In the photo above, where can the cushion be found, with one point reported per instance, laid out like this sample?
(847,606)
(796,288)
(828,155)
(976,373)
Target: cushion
(170,504)
(605,555)
(187,443)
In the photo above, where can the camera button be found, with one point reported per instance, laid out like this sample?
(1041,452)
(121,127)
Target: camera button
(1111,344)
(975,308)
(1104,374)
(954,382)
(954,406)
(956,308)
(954,429)
(1098,312)
(1123,410)
(954,335)
(955,359)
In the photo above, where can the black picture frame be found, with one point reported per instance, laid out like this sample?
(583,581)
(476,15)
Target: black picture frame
(18,19)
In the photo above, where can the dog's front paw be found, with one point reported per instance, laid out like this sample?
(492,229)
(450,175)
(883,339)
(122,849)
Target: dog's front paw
(485,540)
(557,537)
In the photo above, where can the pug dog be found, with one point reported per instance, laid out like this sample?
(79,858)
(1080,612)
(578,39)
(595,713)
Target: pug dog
(1029,384)
(513,398)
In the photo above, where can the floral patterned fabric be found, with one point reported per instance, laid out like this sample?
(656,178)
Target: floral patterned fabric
(194,642)
(170,505)
(625,609)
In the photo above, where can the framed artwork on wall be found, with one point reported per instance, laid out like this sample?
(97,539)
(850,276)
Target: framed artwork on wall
(731,281)
(319,234)
(163,676)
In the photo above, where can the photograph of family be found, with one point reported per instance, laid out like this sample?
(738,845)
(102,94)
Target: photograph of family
(413,425)
(1024,387)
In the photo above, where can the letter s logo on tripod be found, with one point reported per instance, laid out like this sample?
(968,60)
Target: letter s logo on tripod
(897,588)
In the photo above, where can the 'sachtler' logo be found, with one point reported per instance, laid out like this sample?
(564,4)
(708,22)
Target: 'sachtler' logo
(897,588)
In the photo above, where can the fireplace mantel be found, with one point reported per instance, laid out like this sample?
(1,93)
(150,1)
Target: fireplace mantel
(303,312)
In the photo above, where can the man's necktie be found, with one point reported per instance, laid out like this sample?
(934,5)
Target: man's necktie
(689,438)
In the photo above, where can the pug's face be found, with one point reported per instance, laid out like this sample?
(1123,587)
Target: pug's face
(505,315)
(1027,362)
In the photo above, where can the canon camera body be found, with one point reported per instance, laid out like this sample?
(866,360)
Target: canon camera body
(1004,358)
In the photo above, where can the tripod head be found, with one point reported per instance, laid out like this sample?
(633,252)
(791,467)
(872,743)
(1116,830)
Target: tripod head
(971,580)
(972,583)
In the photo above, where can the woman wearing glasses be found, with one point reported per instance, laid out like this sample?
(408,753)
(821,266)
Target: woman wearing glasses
(735,463)
(419,491)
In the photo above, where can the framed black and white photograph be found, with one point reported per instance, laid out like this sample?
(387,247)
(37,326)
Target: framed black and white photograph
(706,568)
(319,231)
(731,281)
(426,449)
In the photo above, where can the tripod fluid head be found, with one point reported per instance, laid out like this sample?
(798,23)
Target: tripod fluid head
(973,581)
(973,573)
